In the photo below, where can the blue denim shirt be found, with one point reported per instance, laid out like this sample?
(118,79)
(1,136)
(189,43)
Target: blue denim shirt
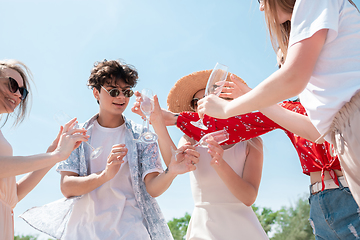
(142,158)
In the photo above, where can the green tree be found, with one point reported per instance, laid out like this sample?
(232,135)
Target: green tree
(266,217)
(178,226)
(292,223)
(27,237)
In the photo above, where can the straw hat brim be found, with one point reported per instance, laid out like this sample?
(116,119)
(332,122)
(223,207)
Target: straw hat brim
(181,94)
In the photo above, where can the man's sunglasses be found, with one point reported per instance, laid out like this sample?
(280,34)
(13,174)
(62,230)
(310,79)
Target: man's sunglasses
(116,92)
(14,86)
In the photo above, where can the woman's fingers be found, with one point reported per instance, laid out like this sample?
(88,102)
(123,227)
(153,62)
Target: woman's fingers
(69,125)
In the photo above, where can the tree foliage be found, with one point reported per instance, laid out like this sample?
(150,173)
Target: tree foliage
(266,217)
(293,224)
(178,226)
(27,237)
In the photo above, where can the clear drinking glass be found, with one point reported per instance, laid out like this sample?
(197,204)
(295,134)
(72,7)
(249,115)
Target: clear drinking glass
(219,136)
(214,85)
(62,118)
(147,107)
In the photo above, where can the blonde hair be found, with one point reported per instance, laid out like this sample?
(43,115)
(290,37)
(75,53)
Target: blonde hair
(280,32)
(25,73)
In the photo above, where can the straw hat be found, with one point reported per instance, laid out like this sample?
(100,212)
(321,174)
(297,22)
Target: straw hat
(182,92)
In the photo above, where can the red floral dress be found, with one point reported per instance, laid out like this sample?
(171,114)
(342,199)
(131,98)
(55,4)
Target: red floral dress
(313,157)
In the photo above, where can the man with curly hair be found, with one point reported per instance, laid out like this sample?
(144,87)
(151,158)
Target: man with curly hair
(118,187)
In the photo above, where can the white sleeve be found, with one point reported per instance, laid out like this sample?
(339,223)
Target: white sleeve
(310,16)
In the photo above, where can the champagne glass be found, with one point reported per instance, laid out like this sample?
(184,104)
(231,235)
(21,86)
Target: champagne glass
(147,107)
(219,136)
(214,85)
(62,118)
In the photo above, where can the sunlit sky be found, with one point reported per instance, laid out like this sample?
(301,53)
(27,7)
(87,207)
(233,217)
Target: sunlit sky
(164,40)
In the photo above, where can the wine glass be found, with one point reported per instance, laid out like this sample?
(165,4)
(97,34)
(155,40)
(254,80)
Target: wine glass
(147,107)
(219,136)
(62,118)
(214,85)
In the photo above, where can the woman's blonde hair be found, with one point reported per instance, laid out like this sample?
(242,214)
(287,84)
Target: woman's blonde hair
(25,73)
(280,32)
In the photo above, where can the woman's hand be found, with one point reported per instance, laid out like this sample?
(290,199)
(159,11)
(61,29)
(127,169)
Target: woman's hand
(155,115)
(69,139)
(54,144)
(216,152)
(169,118)
(136,108)
(212,106)
(184,160)
(234,89)
(114,161)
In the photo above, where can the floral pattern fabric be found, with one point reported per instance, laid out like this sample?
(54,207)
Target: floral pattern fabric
(313,157)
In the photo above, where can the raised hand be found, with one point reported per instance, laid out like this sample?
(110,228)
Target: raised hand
(213,106)
(114,161)
(184,160)
(69,139)
(216,152)
(169,118)
(234,89)
(136,108)
(54,144)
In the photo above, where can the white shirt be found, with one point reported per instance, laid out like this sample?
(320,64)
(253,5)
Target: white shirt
(336,76)
(110,211)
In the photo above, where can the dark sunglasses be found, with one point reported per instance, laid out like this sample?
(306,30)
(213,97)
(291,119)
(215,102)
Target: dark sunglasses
(116,92)
(14,86)
(193,103)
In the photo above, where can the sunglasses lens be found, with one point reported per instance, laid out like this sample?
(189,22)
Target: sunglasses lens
(14,86)
(114,92)
(23,93)
(128,93)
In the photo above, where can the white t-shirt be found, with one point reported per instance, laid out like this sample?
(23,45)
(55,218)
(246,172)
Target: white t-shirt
(110,211)
(336,76)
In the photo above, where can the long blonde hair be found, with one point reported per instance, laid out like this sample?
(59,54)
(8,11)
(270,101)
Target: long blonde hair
(280,32)
(25,73)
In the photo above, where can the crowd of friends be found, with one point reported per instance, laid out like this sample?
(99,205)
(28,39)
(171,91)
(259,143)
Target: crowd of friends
(112,196)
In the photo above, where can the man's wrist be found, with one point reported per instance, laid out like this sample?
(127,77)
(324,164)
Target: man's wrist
(169,172)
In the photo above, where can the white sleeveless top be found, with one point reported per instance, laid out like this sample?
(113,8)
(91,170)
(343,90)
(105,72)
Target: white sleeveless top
(218,214)
(8,196)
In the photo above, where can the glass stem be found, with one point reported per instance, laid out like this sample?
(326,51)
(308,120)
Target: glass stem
(92,148)
(147,124)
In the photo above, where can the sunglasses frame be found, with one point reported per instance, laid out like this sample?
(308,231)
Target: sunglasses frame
(14,87)
(127,92)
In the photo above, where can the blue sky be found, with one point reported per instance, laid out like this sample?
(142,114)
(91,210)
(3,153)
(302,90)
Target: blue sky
(164,40)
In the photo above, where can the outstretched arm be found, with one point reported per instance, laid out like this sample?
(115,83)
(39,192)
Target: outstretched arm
(285,83)
(282,116)
(159,125)
(27,183)
(69,140)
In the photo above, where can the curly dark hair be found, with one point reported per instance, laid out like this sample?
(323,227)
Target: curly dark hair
(111,72)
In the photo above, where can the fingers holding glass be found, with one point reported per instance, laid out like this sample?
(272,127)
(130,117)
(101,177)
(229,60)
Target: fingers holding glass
(69,123)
